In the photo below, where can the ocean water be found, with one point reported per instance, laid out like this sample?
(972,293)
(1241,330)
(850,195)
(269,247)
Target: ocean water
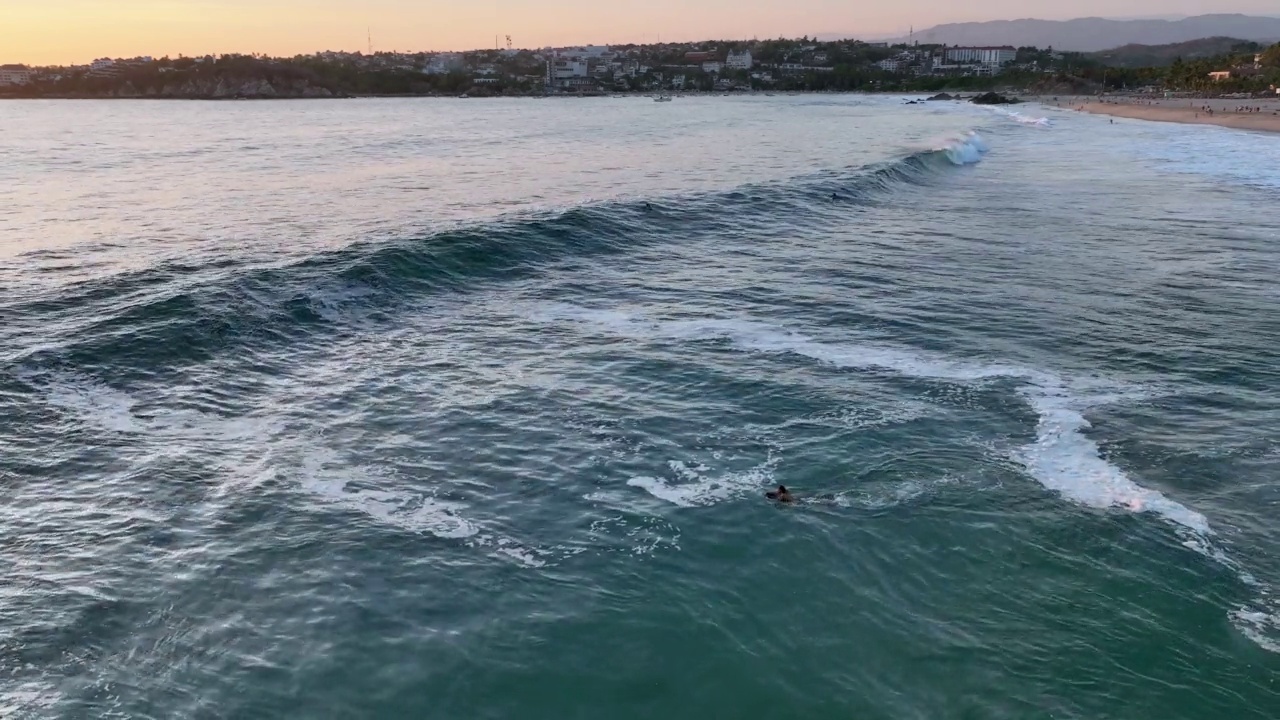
(466,409)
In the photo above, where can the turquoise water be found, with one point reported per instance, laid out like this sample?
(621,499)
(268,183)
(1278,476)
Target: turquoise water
(446,409)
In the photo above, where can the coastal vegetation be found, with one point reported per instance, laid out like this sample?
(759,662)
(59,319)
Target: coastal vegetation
(784,65)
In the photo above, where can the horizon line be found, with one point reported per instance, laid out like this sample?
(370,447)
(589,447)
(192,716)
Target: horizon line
(895,37)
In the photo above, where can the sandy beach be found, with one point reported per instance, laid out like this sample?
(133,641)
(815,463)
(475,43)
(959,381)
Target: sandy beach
(1225,113)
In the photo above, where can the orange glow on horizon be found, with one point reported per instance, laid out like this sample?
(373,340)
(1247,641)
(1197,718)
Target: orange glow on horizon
(60,32)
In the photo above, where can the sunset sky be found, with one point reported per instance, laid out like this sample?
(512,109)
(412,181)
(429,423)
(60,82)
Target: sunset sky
(76,31)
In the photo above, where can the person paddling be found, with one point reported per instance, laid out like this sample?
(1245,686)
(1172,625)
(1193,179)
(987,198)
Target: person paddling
(781,494)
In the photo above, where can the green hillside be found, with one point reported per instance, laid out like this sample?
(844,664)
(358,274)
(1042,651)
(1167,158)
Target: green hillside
(1135,56)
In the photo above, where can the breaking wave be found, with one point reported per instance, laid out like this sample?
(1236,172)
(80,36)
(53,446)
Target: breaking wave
(173,314)
(1021,119)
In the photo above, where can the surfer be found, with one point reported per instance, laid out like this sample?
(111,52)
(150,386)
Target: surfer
(835,197)
(781,494)
(648,207)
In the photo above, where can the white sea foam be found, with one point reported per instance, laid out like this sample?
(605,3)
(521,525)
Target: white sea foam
(1018,117)
(21,697)
(320,473)
(1066,461)
(115,410)
(329,478)
(884,496)
(95,403)
(636,534)
(1260,626)
(340,484)
(1062,458)
(510,549)
(965,149)
(696,486)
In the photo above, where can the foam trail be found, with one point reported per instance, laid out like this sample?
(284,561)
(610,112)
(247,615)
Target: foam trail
(696,489)
(322,475)
(1066,461)
(1061,459)
(94,402)
(1260,626)
(1018,117)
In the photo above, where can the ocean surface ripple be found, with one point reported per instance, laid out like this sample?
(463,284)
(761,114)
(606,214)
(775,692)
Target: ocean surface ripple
(465,410)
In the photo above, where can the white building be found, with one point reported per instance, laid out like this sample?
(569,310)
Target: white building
(890,65)
(712,66)
(999,57)
(14,75)
(106,67)
(739,60)
(561,71)
(990,56)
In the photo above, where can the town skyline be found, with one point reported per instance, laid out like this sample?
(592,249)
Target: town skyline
(71,32)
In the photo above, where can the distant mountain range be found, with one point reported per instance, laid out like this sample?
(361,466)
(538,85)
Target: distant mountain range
(1136,56)
(1096,34)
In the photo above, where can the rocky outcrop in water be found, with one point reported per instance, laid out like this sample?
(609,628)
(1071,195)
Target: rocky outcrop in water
(941,96)
(993,98)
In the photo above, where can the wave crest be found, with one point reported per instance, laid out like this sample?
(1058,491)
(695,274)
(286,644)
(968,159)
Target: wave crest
(171,316)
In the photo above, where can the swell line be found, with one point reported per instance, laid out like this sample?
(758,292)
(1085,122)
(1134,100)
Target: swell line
(174,315)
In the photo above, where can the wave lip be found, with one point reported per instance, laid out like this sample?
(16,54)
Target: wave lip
(966,149)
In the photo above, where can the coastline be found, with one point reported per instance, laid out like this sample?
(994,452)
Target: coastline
(1185,111)
(495,96)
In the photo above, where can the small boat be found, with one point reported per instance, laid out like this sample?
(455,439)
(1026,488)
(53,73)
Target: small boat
(662,98)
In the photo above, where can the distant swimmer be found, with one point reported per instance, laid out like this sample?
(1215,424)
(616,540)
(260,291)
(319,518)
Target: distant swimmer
(835,196)
(648,207)
(782,494)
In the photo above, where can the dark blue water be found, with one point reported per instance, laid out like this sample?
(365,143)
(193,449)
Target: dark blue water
(466,410)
